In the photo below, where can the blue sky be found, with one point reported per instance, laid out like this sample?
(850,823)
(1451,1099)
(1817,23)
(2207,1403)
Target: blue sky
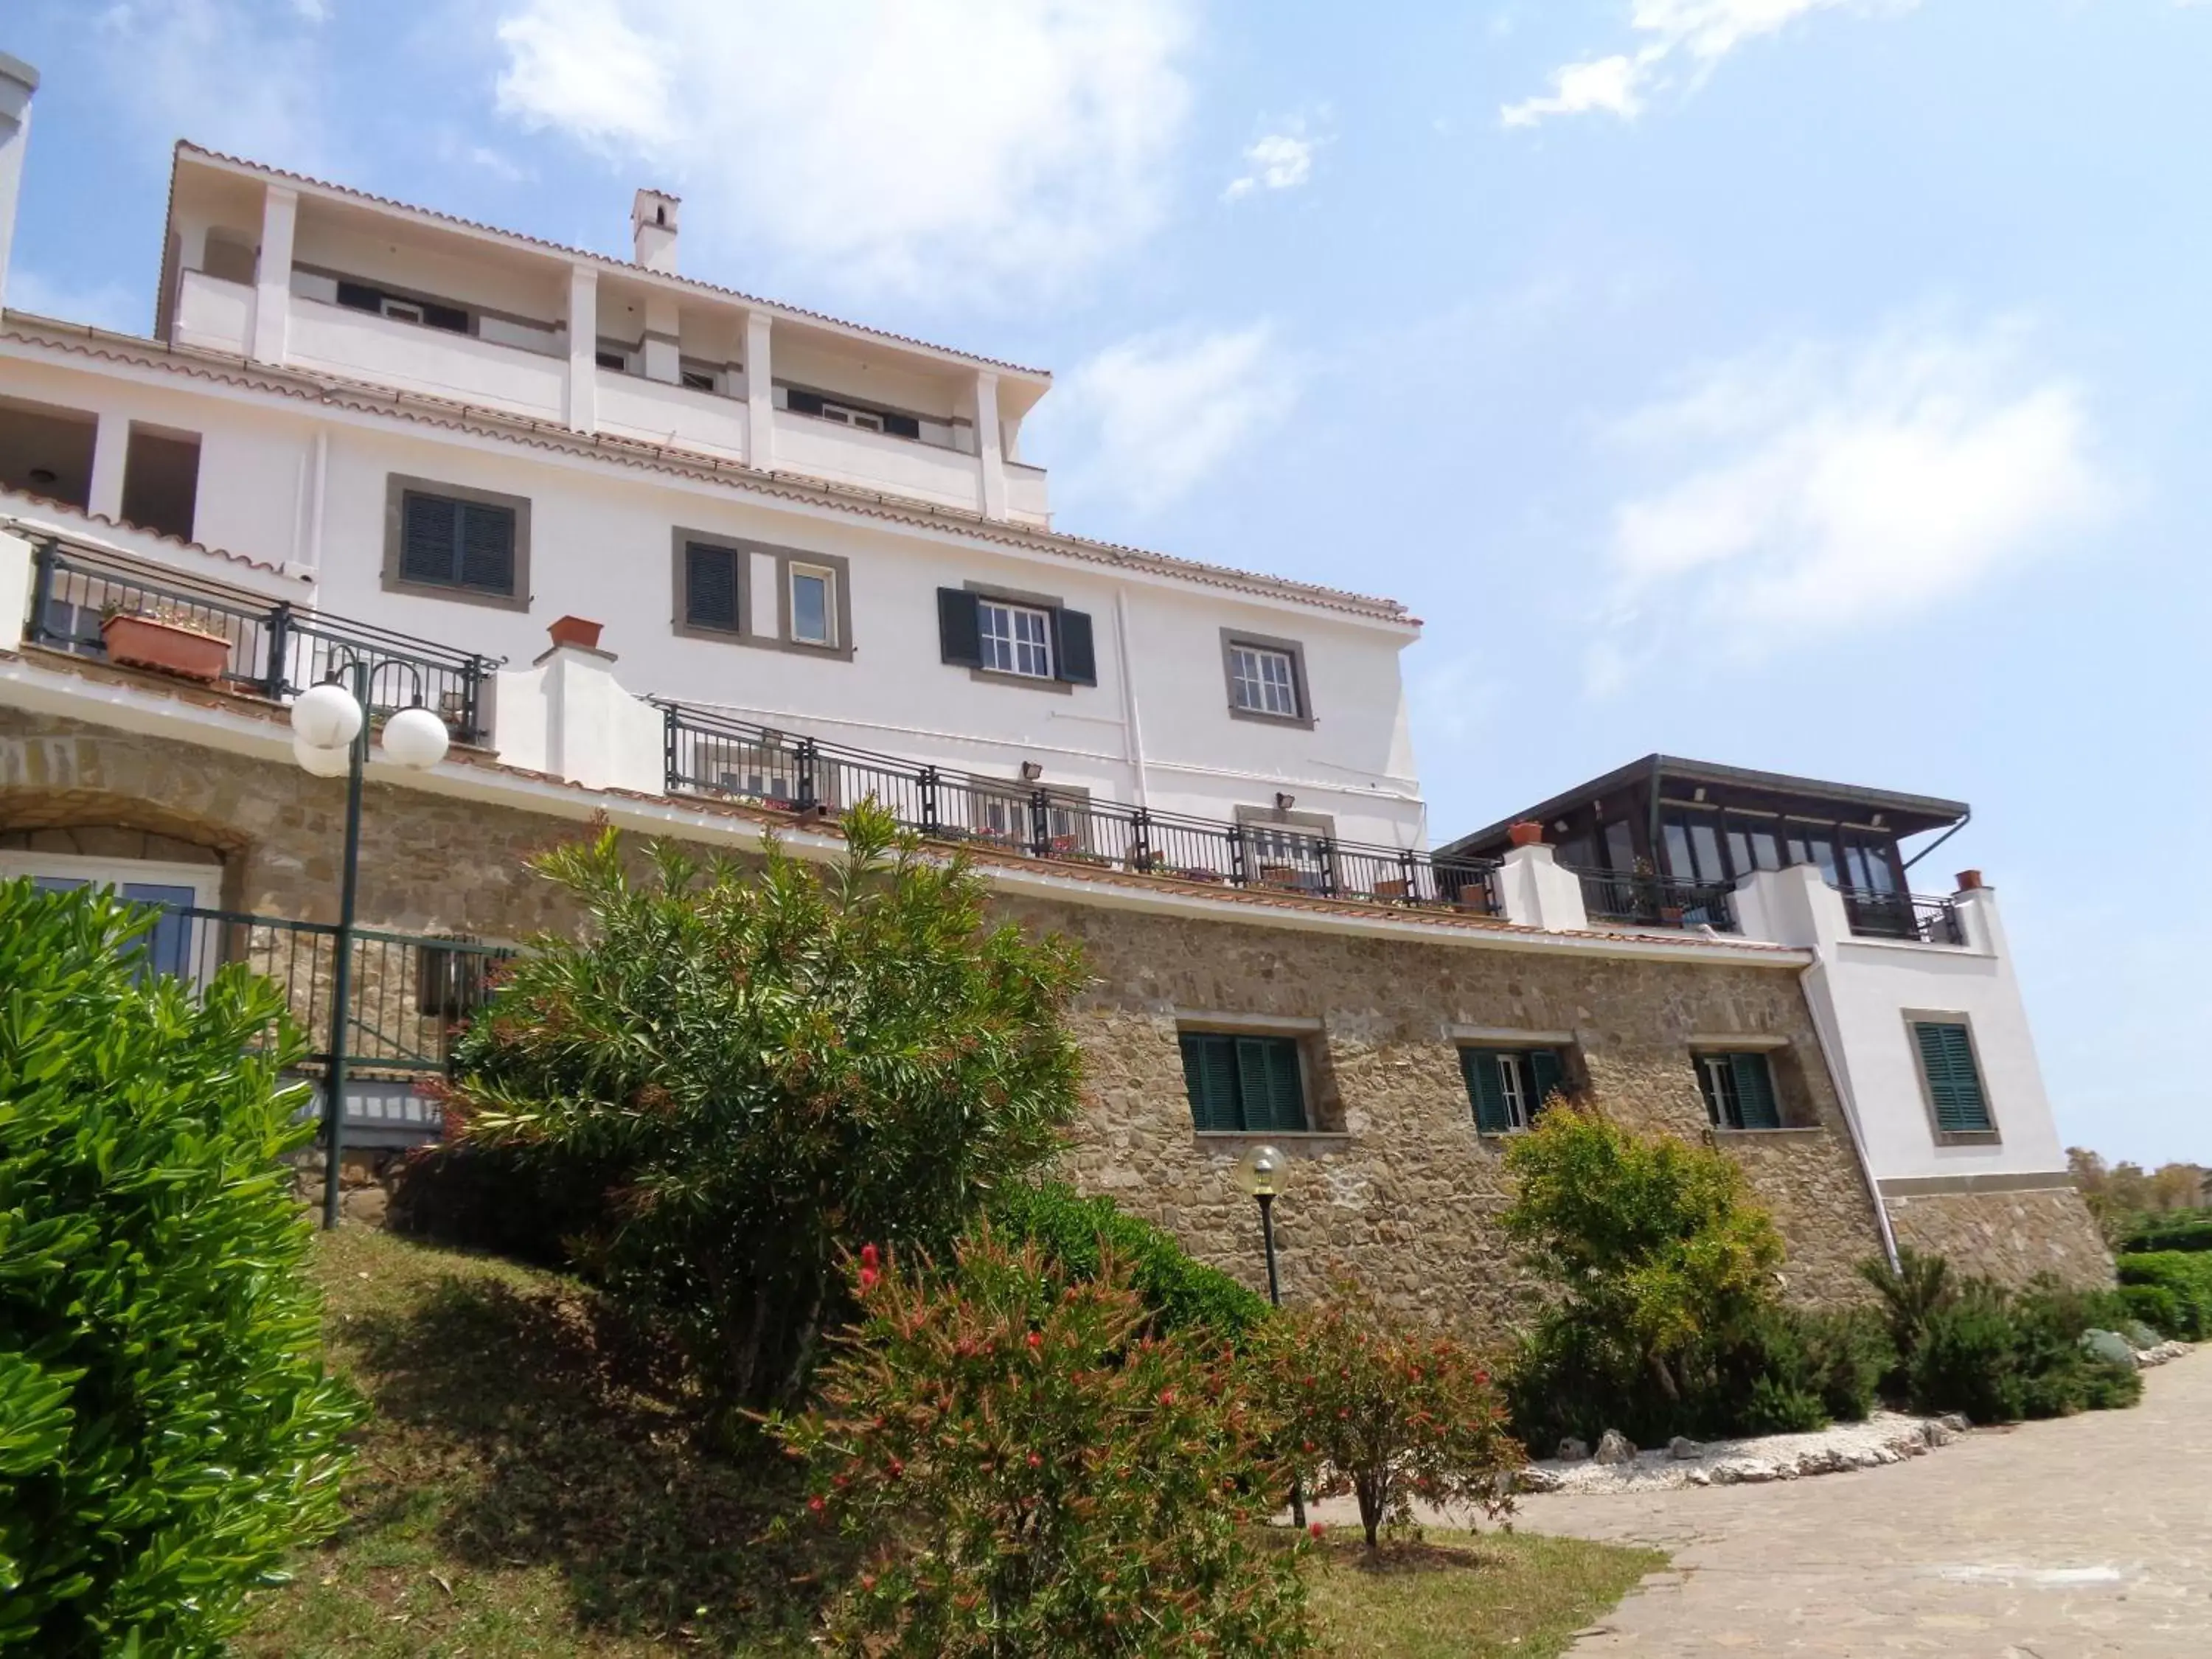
(1814,385)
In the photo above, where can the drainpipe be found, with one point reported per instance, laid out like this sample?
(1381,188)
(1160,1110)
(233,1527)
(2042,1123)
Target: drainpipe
(1816,980)
(1133,732)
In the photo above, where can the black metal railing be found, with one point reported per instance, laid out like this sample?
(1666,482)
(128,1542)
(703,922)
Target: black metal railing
(1650,901)
(1903,916)
(276,650)
(713,754)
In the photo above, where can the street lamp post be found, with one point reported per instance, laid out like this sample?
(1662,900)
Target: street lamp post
(330,738)
(1259,1174)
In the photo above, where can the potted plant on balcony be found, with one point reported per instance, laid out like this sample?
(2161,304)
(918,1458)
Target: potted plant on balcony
(166,640)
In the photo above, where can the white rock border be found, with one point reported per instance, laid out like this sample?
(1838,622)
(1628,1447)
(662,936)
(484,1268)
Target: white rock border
(1885,1438)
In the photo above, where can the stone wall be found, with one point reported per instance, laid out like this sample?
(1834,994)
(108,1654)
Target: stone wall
(2008,1235)
(1395,1185)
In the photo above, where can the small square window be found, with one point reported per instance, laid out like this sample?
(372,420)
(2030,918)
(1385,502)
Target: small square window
(1016,639)
(445,542)
(813,604)
(1263,682)
(1508,1088)
(1739,1090)
(1244,1083)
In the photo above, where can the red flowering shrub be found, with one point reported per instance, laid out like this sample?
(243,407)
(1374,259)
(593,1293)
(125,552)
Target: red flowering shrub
(1385,1411)
(1032,1476)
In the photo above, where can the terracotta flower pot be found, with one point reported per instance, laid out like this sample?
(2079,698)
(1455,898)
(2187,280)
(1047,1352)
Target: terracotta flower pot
(1526,833)
(166,648)
(576,630)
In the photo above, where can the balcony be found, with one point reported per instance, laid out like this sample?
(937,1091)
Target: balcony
(863,459)
(1651,900)
(214,315)
(1903,916)
(362,345)
(680,416)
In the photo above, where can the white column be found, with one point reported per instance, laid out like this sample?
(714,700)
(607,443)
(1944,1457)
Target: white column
(760,394)
(567,715)
(583,349)
(273,280)
(18,81)
(15,579)
(661,340)
(1535,892)
(990,447)
(111,449)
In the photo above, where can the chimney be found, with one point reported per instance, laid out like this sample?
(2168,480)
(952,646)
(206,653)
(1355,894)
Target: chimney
(652,226)
(18,81)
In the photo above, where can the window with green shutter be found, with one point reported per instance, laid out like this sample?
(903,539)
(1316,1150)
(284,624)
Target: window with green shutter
(1955,1082)
(1509,1087)
(445,542)
(1248,1083)
(1739,1090)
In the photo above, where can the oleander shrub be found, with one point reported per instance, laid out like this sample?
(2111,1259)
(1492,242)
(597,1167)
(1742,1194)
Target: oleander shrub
(167,1435)
(1385,1411)
(1078,1233)
(2185,1277)
(762,1066)
(1026,1470)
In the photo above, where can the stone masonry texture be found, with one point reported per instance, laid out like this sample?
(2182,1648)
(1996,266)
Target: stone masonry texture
(2012,1236)
(1394,1185)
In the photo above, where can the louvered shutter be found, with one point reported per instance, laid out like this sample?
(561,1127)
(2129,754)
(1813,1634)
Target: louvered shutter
(1754,1091)
(1486,1090)
(1947,1054)
(487,547)
(959,633)
(1209,1074)
(710,587)
(1286,1091)
(1547,1075)
(428,550)
(1072,649)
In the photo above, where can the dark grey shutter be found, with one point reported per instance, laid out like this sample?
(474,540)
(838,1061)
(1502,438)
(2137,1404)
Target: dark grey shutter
(710,587)
(1486,1090)
(902,425)
(1754,1091)
(359,296)
(959,633)
(1547,1076)
(452,318)
(803,402)
(1209,1071)
(428,550)
(1947,1056)
(1072,648)
(487,547)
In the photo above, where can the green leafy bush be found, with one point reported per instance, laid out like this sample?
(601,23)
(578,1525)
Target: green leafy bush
(1027,1473)
(1967,1359)
(762,1066)
(2185,1230)
(1385,1411)
(1833,1357)
(1999,1355)
(2156,1307)
(2185,1277)
(1072,1230)
(167,1433)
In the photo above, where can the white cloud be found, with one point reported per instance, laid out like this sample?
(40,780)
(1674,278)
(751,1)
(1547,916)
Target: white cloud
(1159,412)
(932,145)
(1825,488)
(1672,32)
(1281,160)
(221,72)
(107,305)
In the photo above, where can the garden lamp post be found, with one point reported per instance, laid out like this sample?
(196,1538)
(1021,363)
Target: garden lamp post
(1259,1175)
(330,738)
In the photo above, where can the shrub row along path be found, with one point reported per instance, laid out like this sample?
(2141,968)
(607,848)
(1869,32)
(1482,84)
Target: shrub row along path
(2087,1535)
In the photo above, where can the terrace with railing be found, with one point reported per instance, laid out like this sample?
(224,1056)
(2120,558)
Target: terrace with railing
(276,650)
(1655,901)
(1904,916)
(714,755)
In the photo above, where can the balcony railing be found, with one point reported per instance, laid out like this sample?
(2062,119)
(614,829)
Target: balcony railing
(712,754)
(276,650)
(1643,901)
(1903,916)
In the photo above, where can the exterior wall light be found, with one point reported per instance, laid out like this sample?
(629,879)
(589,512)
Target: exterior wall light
(1032,770)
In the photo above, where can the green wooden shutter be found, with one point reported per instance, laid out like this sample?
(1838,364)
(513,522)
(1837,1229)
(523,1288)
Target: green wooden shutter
(1209,1071)
(1547,1075)
(1075,658)
(959,630)
(1259,1083)
(1947,1056)
(1754,1091)
(1287,1085)
(429,545)
(487,539)
(1484,1090)
(710,587)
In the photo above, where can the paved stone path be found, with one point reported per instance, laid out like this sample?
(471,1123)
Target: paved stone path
(2088,1535)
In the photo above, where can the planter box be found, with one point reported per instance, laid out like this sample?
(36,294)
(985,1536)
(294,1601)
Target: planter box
(1394,889)
(164,646)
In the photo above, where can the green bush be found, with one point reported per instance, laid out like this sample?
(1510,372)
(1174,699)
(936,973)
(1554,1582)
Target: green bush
(1967,1361)
(1999,1355)
(764,1066)
(1181,1293)
(2185,1276)
(168,1435)
(1027,1473)
(2156,1307)
(2185,1230)
(1836,1358)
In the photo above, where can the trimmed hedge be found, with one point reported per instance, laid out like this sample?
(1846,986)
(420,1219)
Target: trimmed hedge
(1181,1293)
(2185,1229)
(2170,1289)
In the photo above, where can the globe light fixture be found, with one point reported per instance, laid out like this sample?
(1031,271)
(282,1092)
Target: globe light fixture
(1259,1176)
(1259,1172)
(416,737)
(326,717)
(334,762)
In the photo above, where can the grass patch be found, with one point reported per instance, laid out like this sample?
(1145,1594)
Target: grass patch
(1461,1596)
(528,1486)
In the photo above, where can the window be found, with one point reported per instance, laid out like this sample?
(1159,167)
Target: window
(1248,1083)
(1739,1090)
(1509,1087)
(448,543)
(613,360)
(1288,849)
(162,480)
(812,597)
(698,379)
(713,580)
(1016,639)
(1010,819)
(1265,681)
(1954,1081)
(180,943)
(360,297)
(800,401)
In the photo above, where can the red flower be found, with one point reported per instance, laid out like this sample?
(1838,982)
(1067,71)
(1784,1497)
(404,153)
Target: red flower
(868,1256)
(1318,1530)
(1035,1340)
(868,1278)
(896,1469)
(816,1505)
(1166,1396)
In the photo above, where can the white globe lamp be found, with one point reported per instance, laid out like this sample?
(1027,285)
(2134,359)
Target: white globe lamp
(318,761)
(326,717)
(416,737)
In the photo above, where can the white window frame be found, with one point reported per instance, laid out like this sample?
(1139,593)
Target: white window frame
(866,420)
(1248,680)
(1004,651)
(205,880)
(1513,1086)
(793,571)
